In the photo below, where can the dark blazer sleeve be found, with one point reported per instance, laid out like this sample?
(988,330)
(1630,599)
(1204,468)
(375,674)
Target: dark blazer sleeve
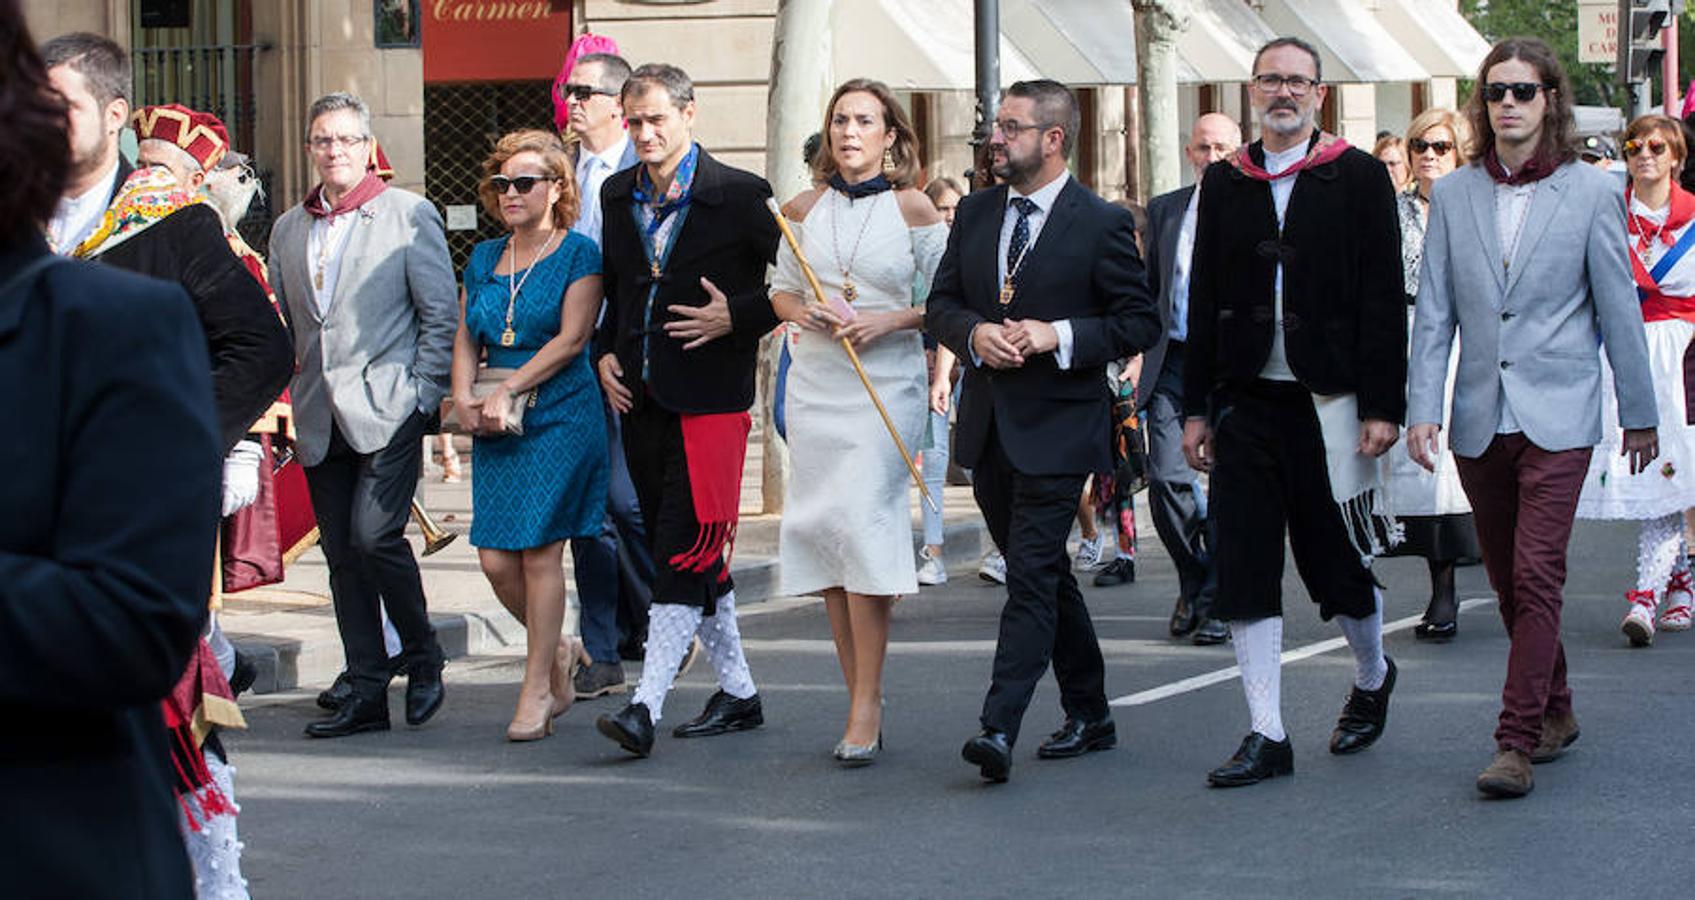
(1200,363)
(252,356)
(107,614)
(1382,361)
(947,318)
(1157,210)
(751,314)
(606,333)
(1130,323)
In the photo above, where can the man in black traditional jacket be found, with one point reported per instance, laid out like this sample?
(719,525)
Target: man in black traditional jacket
(1295,384)
(686,244)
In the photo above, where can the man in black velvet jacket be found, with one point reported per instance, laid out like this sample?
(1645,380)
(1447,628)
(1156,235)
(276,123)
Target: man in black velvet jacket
(1040,287)
(1293,386)
(686,244)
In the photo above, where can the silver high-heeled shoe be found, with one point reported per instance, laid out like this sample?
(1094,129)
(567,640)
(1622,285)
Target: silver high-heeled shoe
(853,756)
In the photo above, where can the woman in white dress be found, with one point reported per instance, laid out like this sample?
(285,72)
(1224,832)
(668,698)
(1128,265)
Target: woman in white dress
(873,242)
(1660,214)
(1431,506)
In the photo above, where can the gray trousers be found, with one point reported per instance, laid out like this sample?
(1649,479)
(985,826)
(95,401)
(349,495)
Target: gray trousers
(1175,499)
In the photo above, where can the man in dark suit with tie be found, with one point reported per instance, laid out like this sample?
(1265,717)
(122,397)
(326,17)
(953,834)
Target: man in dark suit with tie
(1041,286)
(1174,494)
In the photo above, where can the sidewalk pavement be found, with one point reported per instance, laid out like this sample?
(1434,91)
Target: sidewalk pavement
(289,629)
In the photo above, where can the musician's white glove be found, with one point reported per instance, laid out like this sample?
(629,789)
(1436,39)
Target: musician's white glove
(241,475)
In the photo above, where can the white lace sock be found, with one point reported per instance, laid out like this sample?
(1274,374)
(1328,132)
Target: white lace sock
(722,638)
(1365,638)
(1660,551)
(1259,653)
(670,630)
(214,849)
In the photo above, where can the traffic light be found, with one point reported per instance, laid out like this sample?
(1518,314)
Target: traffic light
(1639,49)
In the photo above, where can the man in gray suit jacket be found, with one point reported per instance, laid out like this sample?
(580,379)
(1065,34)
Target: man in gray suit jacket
(1174,492)
(370,290)
(1526,256)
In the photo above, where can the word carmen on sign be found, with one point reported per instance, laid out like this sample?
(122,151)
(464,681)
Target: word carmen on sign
(491,10)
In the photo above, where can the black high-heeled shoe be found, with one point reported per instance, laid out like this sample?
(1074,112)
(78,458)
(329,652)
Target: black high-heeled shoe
(1440,623)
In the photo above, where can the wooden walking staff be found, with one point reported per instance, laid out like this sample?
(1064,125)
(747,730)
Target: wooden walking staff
(818,292)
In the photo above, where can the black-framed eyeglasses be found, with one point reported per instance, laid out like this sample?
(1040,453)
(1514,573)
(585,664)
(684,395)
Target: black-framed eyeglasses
(1012,128)
(582,92)
(1419,145)
(523,183)
(1298,85)
(1522,91)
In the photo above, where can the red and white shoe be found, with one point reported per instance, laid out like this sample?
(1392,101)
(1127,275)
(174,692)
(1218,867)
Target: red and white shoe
(1680,603)
(1638,623)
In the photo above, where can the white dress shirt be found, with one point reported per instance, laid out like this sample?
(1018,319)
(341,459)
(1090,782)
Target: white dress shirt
(1185,253)
(592,171)
(1512,207)
(75,218)
(1277,362)
(326,243)
(1044,198)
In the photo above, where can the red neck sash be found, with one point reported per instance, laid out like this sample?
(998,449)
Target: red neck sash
(1326,148)
(1536,168)
(364,192)
(1657,305)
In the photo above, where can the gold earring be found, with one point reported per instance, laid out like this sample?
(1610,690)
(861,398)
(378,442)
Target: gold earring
(889,160)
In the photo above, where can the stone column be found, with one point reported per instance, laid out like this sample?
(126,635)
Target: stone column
(1158,23)
(800,85)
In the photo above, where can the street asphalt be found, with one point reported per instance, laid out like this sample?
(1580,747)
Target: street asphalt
(453,810)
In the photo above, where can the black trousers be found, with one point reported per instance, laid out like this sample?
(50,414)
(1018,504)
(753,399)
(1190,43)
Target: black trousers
(1174,494)
(1029,517)
(659,470)
(362,502)
(1270,477)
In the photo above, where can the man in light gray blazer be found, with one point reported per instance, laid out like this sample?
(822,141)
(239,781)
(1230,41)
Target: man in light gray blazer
(371,296)
(1525,255)
(1174,493)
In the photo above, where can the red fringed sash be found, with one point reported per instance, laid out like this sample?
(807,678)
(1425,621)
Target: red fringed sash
(201,699)
(716,447)
(1326,148)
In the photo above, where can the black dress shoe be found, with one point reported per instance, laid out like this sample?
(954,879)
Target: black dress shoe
(1211,631)
(723,713)
(631,727)
(338,693)
(356,715)
(1077,737)
(1257,759)
(243,674)
(991,753)
(1183,619)
(1119,571)
(1363,716)
(424,693)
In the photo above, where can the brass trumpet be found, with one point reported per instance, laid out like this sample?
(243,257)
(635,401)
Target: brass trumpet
(435,536)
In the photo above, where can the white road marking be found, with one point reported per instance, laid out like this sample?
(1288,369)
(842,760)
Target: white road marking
(1209,679)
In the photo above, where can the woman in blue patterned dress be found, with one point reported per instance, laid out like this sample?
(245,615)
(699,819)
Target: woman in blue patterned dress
(529,305)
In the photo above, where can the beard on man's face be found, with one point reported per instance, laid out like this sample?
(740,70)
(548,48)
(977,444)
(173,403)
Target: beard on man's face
(1284,125)
(1016,168)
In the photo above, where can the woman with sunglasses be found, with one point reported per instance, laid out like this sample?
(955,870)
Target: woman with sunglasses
(528,307)
(1659,214)
(1431,505)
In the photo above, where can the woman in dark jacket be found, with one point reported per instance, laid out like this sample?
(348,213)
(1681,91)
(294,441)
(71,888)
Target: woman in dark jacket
(111,508)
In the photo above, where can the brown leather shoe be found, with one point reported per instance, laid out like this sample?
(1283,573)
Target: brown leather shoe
(1558,733)
(1508,776)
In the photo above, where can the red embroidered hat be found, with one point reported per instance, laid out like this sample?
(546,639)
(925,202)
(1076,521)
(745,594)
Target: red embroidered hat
(201,134)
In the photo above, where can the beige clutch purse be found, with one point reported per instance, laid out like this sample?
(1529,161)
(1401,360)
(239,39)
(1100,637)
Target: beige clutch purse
(488,380)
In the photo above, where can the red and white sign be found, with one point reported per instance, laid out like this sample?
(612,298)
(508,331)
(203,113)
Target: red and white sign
(1597,31)
(495,40)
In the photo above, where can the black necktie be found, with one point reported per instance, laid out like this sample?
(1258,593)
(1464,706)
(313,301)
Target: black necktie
(1020,233)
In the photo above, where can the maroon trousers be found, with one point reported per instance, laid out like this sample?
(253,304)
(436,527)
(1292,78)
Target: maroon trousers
(1524,499)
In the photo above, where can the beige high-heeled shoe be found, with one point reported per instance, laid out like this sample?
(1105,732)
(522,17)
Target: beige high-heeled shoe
(525,728)
(565,661)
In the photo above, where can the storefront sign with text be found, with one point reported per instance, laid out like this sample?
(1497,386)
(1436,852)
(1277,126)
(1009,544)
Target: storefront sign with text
(495,40)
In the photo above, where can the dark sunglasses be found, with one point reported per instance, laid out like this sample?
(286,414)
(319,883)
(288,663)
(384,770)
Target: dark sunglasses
(1522,91)
(523,183)
(1652,145)
(1419,145)
(582,92)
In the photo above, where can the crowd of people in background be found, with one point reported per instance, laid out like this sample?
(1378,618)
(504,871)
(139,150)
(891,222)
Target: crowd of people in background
(1230,349)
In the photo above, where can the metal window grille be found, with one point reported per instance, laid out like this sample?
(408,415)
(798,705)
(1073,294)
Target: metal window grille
(462,122)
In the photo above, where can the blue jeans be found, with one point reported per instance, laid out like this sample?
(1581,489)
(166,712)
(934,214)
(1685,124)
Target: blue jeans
(597,560)
(935,469)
